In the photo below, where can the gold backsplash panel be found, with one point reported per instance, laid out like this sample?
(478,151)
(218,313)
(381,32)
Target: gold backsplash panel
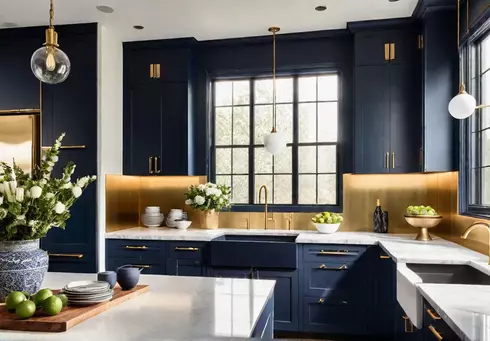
(122,202)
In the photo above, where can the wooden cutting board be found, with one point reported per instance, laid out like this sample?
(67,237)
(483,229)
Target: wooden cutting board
(68,317)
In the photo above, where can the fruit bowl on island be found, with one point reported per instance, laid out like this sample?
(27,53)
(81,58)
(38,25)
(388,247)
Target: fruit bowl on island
(423,218)
(327,222)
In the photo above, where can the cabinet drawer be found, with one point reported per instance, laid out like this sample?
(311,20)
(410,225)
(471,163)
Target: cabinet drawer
(332,253)
(135,248)
(342,318)
(149,268)
(435,326)
(185,250)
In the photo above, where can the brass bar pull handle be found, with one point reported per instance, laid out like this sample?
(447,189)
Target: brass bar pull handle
(333,253)
(407,320)
(420,41)
(387,52)
(67,255)
(157,71)
(392,51)
(421,157)
(150,165)
(321,301)
(384,257)
(436,333)
(141,266)
(433,314)
(155,162)
(393,160)
(152,71)
(387,161)
(179,248)
(136,247)
(324,267)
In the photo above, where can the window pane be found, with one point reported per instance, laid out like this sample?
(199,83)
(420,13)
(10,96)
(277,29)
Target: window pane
(241,125)
(327,159)
(223,180)
(485,55)
(284,90)
(284,120)
(307,189)
(327,122)
(263,122)
(283,162)
(486,186)
(241,92)
(307,89)
(307,159)
(223,93)
(327,189)
(223,160)
(263,91)
(485,116)
(240,189)
(328,88)
(240,160)
(486,147)
(474,181)
(223,126)
(485,113)
(263,161)
(283,189)
(263,180)
(307,122)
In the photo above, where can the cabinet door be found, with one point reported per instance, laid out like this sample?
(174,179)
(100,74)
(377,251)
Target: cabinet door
(185,267)
(232,272)
(405,120)
(404,49)
(142,128)
(372,119)
(404,329)
(370,47)
(286,298)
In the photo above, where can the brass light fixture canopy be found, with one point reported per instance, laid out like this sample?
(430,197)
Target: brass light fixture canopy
(274,29)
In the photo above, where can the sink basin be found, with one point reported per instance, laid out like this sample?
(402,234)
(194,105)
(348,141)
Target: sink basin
(258,238)
(449,274)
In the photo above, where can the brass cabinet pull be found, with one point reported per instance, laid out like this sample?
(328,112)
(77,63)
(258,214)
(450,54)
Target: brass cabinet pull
(180,248)
(152,71)
(321,300)
(156,169)
(141,266)
(392,51)
(393,160)
(435,332)
(387,161)
(387,52)
(324,267)
(157,70)
(67,255)
(384,257)
(136,247)
(433,315)
(420,38)
(421,157)
(333,253)
(150,165)
(407,319)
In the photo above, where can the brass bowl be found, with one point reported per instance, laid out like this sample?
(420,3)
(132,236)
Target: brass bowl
(423,222)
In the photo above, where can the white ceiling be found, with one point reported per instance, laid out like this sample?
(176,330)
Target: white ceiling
(204,19)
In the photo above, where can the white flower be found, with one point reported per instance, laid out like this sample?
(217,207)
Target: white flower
(55,159)
(20,217)
(2,188)
(33,222)
(43,182)
(19,194)
(188,202)
(82,182)
(13,186)
(49,195)
(77,191)
(68,185)
(36,192)
(51,163)
(50,169)
(59,208)
(1,200)
(199,200)
(93,177)
(201,187)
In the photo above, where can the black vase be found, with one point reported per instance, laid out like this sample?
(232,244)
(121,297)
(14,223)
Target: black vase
(380,219)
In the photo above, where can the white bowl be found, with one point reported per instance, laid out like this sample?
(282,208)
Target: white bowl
(183,224)
(152,209)
(327,228)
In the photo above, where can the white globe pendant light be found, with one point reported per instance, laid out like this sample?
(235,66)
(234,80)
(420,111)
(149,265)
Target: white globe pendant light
(462,105)
(275,142)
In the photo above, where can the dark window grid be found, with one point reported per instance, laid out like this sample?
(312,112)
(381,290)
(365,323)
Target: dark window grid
(231,174)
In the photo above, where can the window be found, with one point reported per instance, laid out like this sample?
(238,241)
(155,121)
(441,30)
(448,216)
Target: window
(307,113)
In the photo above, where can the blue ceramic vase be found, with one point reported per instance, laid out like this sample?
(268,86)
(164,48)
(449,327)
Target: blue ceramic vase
(22,266)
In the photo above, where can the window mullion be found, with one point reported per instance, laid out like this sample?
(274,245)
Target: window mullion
(294,149)
(251,154)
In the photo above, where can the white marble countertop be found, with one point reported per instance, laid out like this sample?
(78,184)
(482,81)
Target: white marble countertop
(174,308)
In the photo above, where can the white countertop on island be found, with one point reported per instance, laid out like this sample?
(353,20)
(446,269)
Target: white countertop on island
(174,308)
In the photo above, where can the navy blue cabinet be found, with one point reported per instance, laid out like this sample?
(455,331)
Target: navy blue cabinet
(435,328)
(144,254)
(404,328)
(186,259)
(232,272)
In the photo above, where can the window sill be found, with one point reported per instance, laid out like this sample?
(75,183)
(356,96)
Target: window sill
(287,208)
(477,215)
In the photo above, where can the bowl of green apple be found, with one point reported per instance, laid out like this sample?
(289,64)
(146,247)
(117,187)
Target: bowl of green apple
(424,218)
(327,222)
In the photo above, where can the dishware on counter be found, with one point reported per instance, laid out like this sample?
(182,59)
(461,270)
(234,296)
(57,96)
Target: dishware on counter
(327,228)
(128,276)
(173,215)
(183,224)
(327,222)
(109,277)
(152,217)
(380,219)
(84,293)
(423,222)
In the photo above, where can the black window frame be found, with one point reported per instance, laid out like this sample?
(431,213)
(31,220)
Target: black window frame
(295,207)
(466,208)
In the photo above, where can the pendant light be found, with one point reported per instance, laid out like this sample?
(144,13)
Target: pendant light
(275,142)
(463,104)
(49,63)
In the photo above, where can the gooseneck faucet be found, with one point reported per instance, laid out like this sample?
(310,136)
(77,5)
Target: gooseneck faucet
(263,187)
(475,225)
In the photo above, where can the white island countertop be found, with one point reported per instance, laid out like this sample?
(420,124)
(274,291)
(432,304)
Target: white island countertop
(174,308)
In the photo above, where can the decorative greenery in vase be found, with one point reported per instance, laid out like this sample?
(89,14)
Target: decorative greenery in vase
(31,204)
(209,197)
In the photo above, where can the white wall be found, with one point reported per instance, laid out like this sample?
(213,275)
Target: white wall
(110,122)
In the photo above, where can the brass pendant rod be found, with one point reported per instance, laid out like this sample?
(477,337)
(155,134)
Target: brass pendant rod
(51,13)
(274,30)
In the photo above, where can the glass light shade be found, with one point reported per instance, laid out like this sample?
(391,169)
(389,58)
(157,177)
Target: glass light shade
(462,106)
(50,65)
(275,143)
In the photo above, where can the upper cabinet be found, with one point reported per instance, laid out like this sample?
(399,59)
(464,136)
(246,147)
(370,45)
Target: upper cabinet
(158,104)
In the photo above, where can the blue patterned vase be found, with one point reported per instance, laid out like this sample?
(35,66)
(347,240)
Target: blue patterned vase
(22,266)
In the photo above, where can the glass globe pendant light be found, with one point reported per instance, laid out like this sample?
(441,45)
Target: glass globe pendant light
(275,142)
(49,63)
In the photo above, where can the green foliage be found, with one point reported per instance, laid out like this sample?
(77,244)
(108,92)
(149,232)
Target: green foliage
(31,204)
(209,197)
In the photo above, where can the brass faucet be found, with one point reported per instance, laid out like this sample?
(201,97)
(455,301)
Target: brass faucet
(263,187)
(472,227)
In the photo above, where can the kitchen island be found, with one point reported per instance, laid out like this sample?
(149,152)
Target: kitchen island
(174,308)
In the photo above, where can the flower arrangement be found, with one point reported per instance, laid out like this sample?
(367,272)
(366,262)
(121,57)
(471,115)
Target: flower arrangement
(31,204)
(209,197)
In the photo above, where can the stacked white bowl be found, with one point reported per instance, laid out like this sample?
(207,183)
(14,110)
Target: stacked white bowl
(152,216)
(175,214)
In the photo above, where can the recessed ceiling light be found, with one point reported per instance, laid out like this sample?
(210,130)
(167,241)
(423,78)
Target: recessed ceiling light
(393,0)
(320,8)
(138,27)
(105,9)
(8,24)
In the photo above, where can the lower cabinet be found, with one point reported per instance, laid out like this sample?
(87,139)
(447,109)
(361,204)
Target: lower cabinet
(185,267)
(435,329)
(404,328)
(232,272)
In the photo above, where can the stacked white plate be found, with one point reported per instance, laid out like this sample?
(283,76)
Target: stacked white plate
(88,292)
